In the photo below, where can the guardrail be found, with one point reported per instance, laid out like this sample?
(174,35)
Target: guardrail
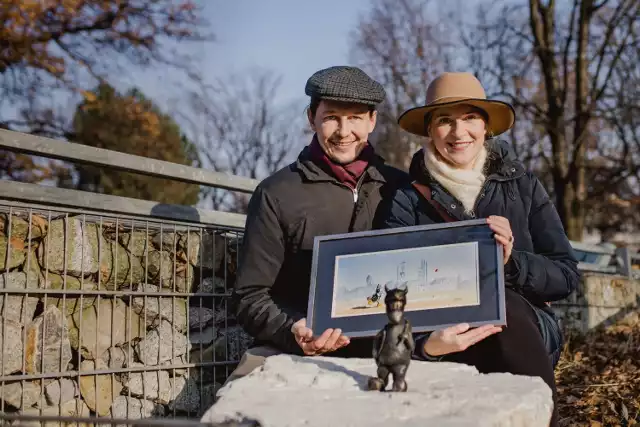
(606,258)
(603,258)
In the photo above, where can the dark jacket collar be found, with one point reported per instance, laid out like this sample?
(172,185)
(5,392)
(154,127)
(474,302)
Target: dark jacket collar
(313,172)
(502,164)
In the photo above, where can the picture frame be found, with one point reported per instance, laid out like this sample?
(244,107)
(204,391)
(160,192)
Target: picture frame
(453,271)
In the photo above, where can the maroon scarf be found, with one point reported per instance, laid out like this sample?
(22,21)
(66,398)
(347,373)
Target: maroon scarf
(347,174)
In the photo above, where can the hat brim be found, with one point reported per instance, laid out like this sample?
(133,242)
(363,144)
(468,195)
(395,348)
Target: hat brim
(501,115)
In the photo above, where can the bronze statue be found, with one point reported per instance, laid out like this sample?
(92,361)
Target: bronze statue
(393,345)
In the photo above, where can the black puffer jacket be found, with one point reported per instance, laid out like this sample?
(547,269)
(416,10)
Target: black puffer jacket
(542,266)
(286,212)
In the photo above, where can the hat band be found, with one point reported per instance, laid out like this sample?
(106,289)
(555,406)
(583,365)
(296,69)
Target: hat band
(453,97)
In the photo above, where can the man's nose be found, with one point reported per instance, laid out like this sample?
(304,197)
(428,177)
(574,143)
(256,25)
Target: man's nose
(344,129)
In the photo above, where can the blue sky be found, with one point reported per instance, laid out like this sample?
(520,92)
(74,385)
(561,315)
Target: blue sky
(442,261)
(291,38)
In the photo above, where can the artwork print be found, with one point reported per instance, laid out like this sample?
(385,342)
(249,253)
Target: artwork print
(436,277)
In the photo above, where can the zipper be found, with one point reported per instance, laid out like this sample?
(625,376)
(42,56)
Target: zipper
(354,191)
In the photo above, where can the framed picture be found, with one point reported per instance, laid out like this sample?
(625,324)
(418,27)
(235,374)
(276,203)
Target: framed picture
(453,272)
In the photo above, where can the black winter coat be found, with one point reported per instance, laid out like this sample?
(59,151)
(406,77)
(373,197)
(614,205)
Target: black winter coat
(286,212)
(542,266)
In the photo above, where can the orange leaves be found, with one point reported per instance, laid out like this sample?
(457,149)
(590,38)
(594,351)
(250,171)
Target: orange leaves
(599,380)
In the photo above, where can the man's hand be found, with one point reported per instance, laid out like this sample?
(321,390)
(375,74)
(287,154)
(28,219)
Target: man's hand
(457,338)
(330,340)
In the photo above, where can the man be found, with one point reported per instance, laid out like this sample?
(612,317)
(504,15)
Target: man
(335,186)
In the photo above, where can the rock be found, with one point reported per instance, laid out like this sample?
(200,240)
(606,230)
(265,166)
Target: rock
(313,391)
(47,347)
(72,302)
(72,408)
(20,226)
(137,242)
(150,385)
(11,347)
(162,344)
(119,356)
(199,249)
(19,307)
(118,268)
(208,395)
(81,243)
(176,372)
(20,395)
(131,408)
(212,285)
(153,309)
(60,391)
(203,337)
(16,252)
(160,271)
(107,323)
(231,343)
(98,391)
(185,395)
(200,317)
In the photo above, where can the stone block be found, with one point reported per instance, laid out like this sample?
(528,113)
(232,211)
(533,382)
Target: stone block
(324,391)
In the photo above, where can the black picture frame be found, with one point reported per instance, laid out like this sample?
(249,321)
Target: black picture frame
(482,301)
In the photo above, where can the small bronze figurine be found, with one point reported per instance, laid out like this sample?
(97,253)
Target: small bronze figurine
(393,345)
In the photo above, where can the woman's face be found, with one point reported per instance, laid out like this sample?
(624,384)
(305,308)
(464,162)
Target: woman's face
(458,133)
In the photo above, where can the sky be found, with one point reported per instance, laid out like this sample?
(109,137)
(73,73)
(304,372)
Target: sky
(292,38)
(442,261)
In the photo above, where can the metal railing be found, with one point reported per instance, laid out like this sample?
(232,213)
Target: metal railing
(117,308)
(113,308)
(608,259)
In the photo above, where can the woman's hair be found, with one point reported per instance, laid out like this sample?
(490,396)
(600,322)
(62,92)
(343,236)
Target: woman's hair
(429,115)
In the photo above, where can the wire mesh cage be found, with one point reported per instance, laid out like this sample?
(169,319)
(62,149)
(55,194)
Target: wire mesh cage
(109,317)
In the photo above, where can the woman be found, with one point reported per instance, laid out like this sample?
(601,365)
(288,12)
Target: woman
(461,173)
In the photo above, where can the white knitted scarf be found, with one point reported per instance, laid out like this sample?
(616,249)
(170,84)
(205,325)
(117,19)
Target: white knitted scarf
(463,184)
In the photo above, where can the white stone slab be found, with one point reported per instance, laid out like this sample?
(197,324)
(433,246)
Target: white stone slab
(323,391)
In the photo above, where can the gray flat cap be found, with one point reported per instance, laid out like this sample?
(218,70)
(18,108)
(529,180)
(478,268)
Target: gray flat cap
(343,83)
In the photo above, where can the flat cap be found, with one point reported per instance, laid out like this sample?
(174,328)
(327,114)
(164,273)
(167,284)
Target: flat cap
(347,84)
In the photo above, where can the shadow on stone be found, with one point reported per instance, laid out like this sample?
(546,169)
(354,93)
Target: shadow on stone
(361,379)
(179,212)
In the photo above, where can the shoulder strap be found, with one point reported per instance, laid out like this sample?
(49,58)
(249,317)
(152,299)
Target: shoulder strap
(426,193)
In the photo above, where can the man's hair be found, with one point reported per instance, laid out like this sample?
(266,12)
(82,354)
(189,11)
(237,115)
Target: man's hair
(315,102)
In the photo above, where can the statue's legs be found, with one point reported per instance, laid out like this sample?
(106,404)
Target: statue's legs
(380,383)
(399,372)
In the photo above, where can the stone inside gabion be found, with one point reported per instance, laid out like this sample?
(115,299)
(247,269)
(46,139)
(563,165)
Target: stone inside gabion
(119,303)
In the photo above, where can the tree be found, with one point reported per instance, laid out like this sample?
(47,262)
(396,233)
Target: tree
(241,128)
(561,68)
(53,50)
(130,123)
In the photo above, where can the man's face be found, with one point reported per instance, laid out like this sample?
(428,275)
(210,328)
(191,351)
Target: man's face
(342,128)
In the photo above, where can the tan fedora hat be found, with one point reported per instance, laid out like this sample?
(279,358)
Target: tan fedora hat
(458,88)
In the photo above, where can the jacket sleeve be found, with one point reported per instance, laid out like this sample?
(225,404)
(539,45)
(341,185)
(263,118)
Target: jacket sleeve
(399,210)
(260,260)
(551,272)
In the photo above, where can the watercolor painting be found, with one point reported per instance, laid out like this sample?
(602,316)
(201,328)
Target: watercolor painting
(436,276)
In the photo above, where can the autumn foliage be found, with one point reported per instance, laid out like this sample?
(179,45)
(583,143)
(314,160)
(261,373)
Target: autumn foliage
(130,123)
(598,377)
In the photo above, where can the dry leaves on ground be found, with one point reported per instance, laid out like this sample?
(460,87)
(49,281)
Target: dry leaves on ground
(598,377)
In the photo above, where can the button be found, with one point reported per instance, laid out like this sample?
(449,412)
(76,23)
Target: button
(482,195)
(453,206)
(513,169)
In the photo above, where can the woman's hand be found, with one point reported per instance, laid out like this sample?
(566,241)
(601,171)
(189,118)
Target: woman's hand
(500,225)
(457,338)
